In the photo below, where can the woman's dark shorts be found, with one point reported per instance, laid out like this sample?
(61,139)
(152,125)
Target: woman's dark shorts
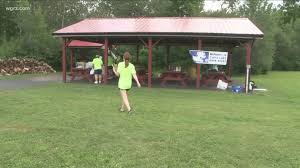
(124,89)
(98,71)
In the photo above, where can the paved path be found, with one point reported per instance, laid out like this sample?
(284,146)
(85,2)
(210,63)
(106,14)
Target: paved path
(31,81)
(17,84)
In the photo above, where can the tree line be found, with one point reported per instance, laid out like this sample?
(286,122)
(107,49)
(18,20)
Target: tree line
(26,27)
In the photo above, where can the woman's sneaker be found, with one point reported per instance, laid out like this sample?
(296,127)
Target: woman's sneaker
(96,82)
(131,111)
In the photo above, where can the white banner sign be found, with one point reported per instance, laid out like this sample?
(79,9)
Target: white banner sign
(209,57)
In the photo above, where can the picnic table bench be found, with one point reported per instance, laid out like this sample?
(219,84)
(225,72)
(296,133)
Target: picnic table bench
(81,72)
(141,75)
(212,78)
(173,76)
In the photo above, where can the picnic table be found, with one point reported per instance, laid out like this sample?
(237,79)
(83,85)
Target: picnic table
(142,75)
(81,72)
(212,78)
(173,76)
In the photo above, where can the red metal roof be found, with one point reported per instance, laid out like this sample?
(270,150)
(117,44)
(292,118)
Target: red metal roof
(162,25)
(79,43)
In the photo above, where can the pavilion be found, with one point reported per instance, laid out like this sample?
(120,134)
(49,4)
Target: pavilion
(79,44)
(167,31)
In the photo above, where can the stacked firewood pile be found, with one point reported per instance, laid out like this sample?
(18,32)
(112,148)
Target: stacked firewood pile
(23,66)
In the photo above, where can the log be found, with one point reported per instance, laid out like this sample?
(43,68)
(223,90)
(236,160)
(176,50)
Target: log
(14,66)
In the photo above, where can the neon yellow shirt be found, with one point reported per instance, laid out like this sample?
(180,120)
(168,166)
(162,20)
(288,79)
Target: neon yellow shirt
(125,80)
(97,63)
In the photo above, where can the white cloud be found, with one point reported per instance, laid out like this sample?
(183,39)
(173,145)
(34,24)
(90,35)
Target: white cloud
(216,5)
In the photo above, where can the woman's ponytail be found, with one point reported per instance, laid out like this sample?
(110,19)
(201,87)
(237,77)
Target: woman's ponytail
(126,57)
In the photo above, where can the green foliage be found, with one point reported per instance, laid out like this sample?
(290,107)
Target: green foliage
(290,10)
(32,38)
(230,5)
(287,47)
(61,13)
(8,48)
(263,50)
(131,8)
(8,28)
(260,12)
(179,56)
(219,13)
(28,33)
(283,53)
(296,46)
(186,8)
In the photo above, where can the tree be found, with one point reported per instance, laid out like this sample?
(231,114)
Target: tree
(290,10)
(186,8)
(133,8)
(59,14)
(295,45)
(231,5)
(8,28)
(260,12)
(283,57)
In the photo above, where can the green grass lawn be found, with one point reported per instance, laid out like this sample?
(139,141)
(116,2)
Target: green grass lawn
(78,125)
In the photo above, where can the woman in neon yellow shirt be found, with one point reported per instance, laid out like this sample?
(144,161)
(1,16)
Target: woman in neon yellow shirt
(97,65)
(125,71)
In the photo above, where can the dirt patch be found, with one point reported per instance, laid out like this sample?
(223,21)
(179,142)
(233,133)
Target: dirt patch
(15,127)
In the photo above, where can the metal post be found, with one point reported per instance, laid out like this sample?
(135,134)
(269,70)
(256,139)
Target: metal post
(248,46)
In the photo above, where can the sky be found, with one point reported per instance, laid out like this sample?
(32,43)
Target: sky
(215,4)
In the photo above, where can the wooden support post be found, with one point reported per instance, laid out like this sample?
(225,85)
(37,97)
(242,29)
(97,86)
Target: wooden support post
(168,56)
(64,61)
(71,60)
(149,62)
(137,53)
(105,60)
(248,46)
(198,66)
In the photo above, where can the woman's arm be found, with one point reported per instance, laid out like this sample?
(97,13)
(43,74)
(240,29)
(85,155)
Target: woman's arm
(136,80)
(115,71)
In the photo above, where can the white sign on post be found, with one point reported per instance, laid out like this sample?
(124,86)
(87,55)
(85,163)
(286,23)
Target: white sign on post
(209,57)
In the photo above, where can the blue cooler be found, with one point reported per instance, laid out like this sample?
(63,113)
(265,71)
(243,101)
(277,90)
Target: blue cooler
(237,89)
